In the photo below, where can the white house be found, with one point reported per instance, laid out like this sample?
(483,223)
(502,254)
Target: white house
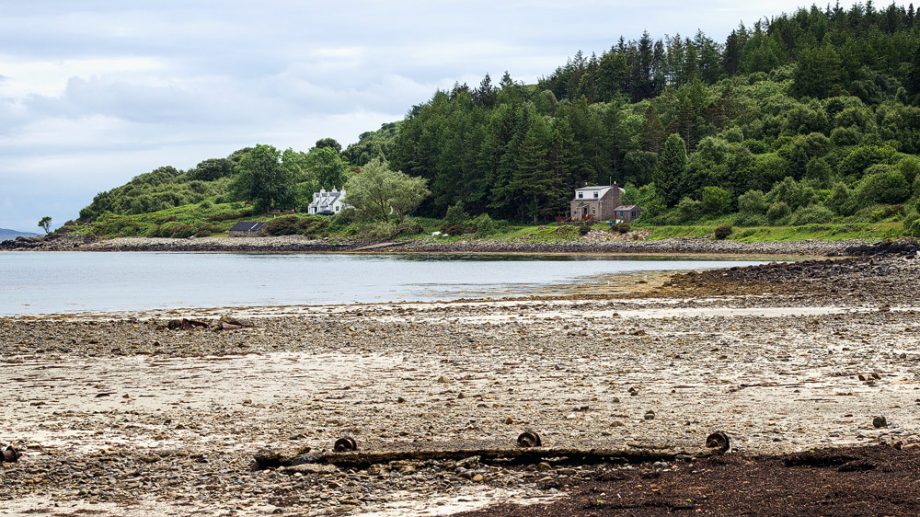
(328,203)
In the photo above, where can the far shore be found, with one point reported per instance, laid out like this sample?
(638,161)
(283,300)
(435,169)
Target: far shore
(684,247)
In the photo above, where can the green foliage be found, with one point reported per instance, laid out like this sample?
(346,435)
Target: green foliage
(378,191)
(883,186)
(455,216)
(689,209)
(777,211)
(819,109)
(841,200)
(815,214)
(45,224)
(372,144)
(261,179)
(716,201)
(671,174)
(289,225)
(753,202)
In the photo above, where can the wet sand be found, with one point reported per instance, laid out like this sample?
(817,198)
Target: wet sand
(119,415)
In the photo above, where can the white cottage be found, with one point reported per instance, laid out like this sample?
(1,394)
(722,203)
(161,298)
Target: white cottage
(328,203)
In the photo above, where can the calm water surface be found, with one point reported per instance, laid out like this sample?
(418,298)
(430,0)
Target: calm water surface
(42,283)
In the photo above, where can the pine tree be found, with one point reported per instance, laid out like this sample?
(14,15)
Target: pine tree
(670,175)
(652,131)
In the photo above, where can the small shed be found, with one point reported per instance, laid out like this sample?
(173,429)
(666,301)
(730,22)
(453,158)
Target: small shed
(246,229)
(626,213)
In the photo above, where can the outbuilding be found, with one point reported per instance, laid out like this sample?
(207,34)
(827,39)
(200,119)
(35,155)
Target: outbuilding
(627,213)
(246,229)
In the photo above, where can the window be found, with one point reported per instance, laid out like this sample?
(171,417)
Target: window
(595,195)
(337,208)
(580,195)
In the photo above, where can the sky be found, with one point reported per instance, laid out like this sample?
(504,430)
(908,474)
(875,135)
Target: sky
(94,92)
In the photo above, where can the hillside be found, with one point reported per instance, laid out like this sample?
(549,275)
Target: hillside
(6,234)
(811,118)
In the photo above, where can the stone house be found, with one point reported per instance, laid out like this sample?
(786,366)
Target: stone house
(246,229)
(328,203)
(597,203)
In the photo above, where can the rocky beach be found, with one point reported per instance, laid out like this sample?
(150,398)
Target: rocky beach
(163,412)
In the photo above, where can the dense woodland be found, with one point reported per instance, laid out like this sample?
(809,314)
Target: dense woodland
(808,117)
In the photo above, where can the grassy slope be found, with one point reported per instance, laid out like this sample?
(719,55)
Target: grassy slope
(214,219)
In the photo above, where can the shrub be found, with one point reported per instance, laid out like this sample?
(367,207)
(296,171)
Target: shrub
(841,200)
(883,186)
(289,225)
(377,231)
(453,230)
(689,209)
(176,230)
(722,232)
(621,228)
(917,186)
(716,200)
(313,226)
(484,225)
(455,216)
(744,219)
(753,202)
(777,211)
(345,217)
(814,214)
(408,227)
(793,193)
(913,229)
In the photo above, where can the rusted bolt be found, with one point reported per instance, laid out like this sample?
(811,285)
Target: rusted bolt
(10,455)
(718,440)
(345,444)
(529,439)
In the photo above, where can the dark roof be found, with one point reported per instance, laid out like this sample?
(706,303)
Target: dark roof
(247,226)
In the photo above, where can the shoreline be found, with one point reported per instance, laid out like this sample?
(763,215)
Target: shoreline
(296,244)
(135,416)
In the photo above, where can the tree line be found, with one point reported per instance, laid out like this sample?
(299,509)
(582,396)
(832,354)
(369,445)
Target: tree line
(821,97)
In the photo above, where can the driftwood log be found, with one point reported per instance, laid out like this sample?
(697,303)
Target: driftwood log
(270,460)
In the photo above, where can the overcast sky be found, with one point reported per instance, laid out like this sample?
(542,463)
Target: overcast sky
(95,92)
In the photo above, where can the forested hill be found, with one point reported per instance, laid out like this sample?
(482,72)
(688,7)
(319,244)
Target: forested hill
(810,117)
(807,117)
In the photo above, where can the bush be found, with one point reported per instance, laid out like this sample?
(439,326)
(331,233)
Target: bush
(689,209)
(454,230)
(455,216)
(176,230)
(814,214)
(377,231)
(621,228)
(841,200)
(883,186)
(777,211)
(313,226)
(753,202)
(408,227)
(484,225)
(716,200)
(751,220)
(289,225)
(722,232)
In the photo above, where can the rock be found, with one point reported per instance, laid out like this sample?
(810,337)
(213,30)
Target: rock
(879,422)
(509,421)
(649,415)
(477,478)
